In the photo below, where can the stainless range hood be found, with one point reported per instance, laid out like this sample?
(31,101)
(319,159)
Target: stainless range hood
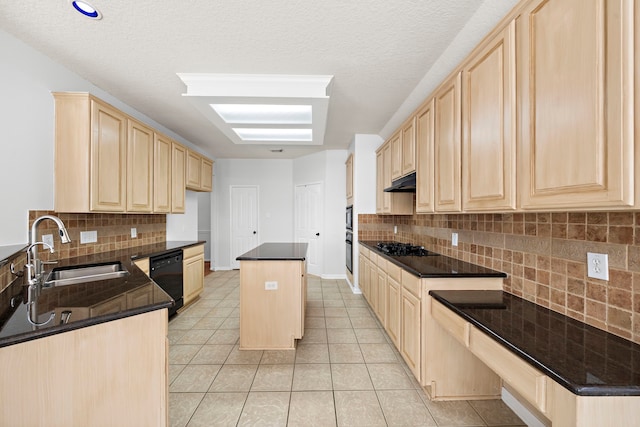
(406,184)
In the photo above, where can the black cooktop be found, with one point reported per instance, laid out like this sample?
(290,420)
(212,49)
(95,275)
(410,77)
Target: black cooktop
(403,249)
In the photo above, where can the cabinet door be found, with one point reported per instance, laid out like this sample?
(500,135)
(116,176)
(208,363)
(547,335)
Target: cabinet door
(447,146)
(178,185)
(387,155)
(139,168)
(489,141)
(206,175)
(373,285)
(108,158)
(380,194)
(409,147)
(194,173)
(424,158)
(410,332)
(162,174)
(393,310)
(349,168)
(381,308)
(575,74)
(193,277)
(395,156)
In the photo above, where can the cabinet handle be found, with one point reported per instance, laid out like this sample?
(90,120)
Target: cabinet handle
(317,234)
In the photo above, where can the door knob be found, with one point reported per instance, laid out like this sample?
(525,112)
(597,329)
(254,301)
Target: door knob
(317,234)
(255,232)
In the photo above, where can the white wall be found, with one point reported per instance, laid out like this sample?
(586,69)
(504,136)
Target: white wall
(204,222)
(275,201)
(184,227)
(27,79)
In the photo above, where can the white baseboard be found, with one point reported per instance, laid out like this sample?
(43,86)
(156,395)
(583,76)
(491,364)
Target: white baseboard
(333,276)
(218,268)
(354,289)
(525,415)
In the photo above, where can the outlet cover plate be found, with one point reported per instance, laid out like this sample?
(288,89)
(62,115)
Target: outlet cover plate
(48,239)
(454,239)
(598,266)
(270,286)
(134,233)
(88,236)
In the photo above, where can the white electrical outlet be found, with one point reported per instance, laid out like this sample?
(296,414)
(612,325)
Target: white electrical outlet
(598,266)
(270,286)
(454,239)
(88,236)
(48,239)
(395,229)
(134,233)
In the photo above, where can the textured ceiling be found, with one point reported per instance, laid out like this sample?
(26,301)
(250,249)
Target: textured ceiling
(377,50)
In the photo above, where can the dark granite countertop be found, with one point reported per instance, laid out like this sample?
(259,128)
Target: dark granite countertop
(435,265)
(585,360)
(84,299)
(276,252)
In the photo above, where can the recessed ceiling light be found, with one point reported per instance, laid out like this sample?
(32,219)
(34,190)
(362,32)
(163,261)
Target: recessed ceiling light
(86,9)
(264,113)
(252,134)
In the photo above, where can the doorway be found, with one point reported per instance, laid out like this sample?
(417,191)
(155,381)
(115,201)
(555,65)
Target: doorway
(309,213)
(244,220)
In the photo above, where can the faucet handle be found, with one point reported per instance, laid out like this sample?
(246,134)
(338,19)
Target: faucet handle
(49,262)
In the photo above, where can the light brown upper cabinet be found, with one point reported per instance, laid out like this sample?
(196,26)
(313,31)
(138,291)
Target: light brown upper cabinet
(161,174)
(409,146)
(389,203)
(178,176)
(199,172)
(349,167)
(424,158)
(139,167)
(395,145)
(575,79)
(447,135)
(489,125)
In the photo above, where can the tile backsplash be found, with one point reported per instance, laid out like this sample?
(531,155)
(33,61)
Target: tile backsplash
(544,255)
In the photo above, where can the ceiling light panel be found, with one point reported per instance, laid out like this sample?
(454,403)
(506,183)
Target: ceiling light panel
(252,134)
(264,114)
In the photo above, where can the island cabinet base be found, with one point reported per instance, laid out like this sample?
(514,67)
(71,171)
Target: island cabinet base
(272,304)
(114,373)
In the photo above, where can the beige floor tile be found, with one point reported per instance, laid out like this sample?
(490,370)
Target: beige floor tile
(312,353)
(345,353)
(180,322)
(181,354)
(194,378)
(454,413)
(194,311)
(331,295)
(278,357)
(350,376)
(496,413)
(211,323)
(370,336)
(364,323)
(312,409)
(314,312)
(229,302)
(335,312)
(244,357)
(389,376)
(359,312)
(314,322)
(182,406)
(314,376)
(342,336)
(404,408)
(333,303)
(231,323)
(234,378)
(212,354)
(218,409)
(273,378)
(195,336)
(265,409)
(218,311)
(207,303)
(235,312)
(174,335)
(174,371)
(314,336)
(358,408)
(315,304)
(338,322)
(378,353)
(224,336)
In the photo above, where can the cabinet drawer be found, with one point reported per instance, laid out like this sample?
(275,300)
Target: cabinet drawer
(193,251)
(451,322)
(411,283)
(394,272)
(364,251)
(530,383)
(382,264)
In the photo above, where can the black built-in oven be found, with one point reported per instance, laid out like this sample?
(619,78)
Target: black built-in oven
(349,242)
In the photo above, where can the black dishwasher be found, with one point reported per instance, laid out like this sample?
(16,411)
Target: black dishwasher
(166,271)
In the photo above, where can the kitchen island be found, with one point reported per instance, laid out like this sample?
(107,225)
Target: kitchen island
(273,294)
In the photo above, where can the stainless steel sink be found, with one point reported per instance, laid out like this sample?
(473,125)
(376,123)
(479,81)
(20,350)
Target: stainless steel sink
(85,273)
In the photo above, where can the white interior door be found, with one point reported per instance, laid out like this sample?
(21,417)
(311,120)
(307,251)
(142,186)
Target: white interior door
(309,210)
(244,221)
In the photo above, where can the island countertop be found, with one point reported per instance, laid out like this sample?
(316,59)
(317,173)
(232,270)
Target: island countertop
(286,251)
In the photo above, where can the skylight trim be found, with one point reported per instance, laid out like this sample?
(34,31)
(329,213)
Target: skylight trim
(277,114)
(254,134)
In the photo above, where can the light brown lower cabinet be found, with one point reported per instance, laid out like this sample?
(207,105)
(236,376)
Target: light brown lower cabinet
(113,373)
(193,272)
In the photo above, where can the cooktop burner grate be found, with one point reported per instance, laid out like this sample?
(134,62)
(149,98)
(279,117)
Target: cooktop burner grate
(402,249)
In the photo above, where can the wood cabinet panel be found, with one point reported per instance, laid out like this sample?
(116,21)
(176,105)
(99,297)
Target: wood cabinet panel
(178,177)
(140,151)
(410,332)
(161,174)
(424,158)
(489,128)
(349,178)
(194,170)
(393,301)
(143,264)
(193,272)
(396,156)
(447,146)
(409,147)
(389,203)
(451,322)
(108,158)
(576,126)
(381,307)
(206,170)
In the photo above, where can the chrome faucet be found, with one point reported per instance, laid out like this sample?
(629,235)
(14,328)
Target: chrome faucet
(35,266)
